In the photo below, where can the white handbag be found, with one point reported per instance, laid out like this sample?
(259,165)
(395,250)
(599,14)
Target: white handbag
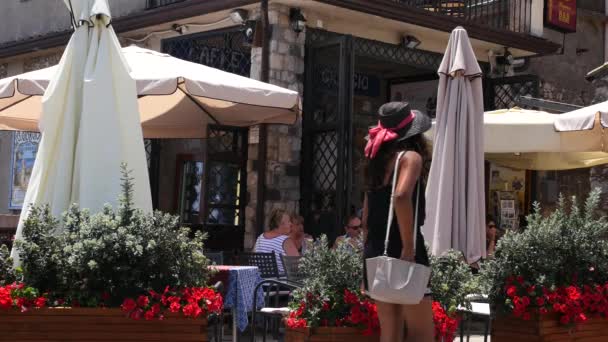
(392,280)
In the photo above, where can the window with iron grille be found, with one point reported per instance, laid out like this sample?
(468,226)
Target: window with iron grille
(224,174)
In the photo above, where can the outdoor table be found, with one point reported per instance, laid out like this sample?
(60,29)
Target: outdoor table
(240,285)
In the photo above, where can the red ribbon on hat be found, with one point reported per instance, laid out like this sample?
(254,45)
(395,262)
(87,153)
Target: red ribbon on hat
(380,134)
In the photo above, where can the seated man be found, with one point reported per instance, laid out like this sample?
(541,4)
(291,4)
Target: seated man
(353,234)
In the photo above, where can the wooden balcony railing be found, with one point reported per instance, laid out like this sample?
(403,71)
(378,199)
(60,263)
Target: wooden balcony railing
(509,15)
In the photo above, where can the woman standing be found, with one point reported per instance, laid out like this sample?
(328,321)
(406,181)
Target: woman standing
(399,130)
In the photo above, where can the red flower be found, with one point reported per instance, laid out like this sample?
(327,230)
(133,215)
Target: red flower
(143,301)
(326,306)
(540,301)
(511,291)
(564,320)
(128,305)
(136,314)
(105,296)
(531,290)
(174,307)
(350,298)
(155,308)
(6,301)
(149,315)
(192,310)
(40,302)
(296,323)
(520,279)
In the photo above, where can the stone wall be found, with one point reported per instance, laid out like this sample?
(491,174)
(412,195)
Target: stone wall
(40,62)
(283,142)
(562,75)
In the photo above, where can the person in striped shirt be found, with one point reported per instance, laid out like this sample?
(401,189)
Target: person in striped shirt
(277,239)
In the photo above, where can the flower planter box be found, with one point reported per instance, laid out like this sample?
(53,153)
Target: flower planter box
(547,328)
(96,324)
(327,335)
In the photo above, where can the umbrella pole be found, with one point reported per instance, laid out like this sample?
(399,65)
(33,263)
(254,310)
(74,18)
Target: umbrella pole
(263,133)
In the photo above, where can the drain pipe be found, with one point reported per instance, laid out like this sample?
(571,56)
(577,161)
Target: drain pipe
(606,32)
(262,142)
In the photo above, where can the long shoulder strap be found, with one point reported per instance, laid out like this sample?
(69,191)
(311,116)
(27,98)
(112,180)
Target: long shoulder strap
(391,207)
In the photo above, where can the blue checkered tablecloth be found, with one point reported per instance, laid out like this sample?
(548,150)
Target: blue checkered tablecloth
(242,281)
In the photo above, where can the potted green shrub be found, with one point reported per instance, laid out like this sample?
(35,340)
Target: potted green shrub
(330,305)
(451,283)
(105,276)
(550,281)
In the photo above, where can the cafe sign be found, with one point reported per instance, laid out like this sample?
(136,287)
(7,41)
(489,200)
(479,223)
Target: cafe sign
(561,15)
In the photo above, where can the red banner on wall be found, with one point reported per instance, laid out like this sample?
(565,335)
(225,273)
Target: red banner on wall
(561,15)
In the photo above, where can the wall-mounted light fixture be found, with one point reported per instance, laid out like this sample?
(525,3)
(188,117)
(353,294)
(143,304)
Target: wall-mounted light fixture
(297,20)
(239,16)
(410,42)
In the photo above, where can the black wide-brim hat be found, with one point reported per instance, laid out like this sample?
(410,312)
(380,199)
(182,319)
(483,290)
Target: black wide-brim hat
(392,114)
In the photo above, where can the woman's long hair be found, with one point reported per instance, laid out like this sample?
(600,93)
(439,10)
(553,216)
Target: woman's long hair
(375,170)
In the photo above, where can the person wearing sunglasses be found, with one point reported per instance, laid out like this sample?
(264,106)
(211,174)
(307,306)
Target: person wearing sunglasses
(353,233)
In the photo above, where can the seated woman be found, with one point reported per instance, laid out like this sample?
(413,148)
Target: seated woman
(300,238)
(277,239)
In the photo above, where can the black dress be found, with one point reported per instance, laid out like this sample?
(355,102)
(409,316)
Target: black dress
(378,201)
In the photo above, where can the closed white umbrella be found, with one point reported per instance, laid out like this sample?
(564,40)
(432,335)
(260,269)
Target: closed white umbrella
(455,213)
(177,98)
(89,123)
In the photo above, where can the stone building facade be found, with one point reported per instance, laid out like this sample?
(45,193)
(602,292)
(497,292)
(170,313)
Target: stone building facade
(376,33)
(284,143)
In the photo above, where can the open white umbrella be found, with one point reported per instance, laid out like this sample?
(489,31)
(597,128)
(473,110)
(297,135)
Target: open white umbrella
(89,122)
(455,212)
(177,98)
(585,129)
(528,140)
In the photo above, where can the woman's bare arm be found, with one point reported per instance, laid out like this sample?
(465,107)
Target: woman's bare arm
(409,171)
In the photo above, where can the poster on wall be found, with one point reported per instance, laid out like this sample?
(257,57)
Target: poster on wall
(23,155)
(507,192)
(420,95)
(561,15)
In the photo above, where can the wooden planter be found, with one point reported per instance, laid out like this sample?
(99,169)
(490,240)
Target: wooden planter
(547,328)
(96,324)
(327,334)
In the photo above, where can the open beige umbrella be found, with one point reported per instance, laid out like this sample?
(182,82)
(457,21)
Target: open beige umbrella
(455,204)
(177,99)
(528,140)
(585,129)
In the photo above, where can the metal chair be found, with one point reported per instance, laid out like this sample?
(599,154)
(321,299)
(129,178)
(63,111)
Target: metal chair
(265,262)
(480,307)
(273,289)
(216,258)
(291,265)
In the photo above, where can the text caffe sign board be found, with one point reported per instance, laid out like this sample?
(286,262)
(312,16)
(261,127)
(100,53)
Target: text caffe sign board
(561,15)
